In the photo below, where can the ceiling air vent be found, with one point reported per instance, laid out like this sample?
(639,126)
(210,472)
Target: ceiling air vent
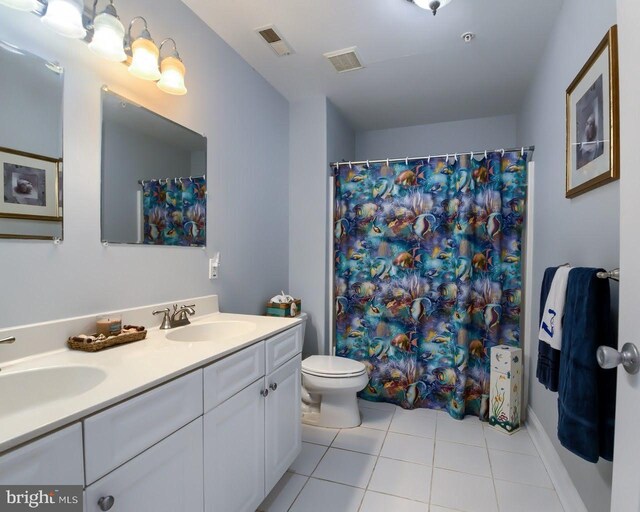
(345,60)
(275,41)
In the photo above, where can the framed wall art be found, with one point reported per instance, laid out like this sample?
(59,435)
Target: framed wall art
(593,147)
(30,186)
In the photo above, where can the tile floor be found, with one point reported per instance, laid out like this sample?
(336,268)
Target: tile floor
(414,461)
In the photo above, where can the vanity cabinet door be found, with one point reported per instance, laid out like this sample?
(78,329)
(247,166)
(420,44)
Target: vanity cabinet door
(283,427)
(165,478)
(53,460)
(234,452)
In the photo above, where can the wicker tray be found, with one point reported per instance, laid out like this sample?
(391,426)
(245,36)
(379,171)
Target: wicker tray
(111,341)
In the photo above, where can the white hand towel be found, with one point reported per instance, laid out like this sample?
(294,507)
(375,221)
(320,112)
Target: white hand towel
(551,325)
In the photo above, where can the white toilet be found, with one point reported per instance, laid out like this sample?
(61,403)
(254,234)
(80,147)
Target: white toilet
(329,390)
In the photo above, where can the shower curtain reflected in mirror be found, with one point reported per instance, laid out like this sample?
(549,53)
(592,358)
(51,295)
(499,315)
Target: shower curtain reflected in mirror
(428,274)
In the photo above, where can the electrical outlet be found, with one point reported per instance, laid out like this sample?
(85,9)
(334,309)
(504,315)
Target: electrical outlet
(213,269)
(214,263)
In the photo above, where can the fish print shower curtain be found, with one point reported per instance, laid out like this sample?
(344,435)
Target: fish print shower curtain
(175,211)
(428,274)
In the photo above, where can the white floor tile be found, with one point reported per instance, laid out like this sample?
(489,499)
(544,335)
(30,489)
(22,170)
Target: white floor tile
(318,435)
(436,508)
(283,494)
(520,442)
(308,459)
(418,422)
(321,496)
(360,439)
(346,467)
(515,467)
(463,458)
(467,431)
(459,491)
(376,502)
(376,418)
(384,406)
(403,479)
(524,498)
(408,448)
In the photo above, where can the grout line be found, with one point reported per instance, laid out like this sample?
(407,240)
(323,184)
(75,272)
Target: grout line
(493,480)
(299,492)
(433,465)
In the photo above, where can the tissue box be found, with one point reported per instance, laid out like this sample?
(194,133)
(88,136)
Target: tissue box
(506,388)
(277,309)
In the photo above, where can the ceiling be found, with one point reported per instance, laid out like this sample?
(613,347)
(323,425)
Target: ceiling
(418,70)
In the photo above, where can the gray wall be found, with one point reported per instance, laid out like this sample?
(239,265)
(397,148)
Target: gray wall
(583,231)
(318,134)
(247,125)
(439,138)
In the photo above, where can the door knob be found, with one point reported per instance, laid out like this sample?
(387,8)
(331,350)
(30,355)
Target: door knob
(628,357)
(106,502)
(273,386)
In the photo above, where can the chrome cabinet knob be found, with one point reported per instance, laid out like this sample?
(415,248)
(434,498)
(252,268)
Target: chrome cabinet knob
(106,502)
(628,357)
(264,392)
(273,386)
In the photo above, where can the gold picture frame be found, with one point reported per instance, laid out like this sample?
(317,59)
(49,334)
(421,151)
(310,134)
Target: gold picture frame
(30,186)
(593,122)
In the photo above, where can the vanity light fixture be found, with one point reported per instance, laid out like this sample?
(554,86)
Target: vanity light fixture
(431,5)
(145,54)
(21,5)
(173,71)
(108,34)
(65,18)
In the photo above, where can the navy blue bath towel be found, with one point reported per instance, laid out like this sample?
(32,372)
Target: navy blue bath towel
(548,367)
(587,393)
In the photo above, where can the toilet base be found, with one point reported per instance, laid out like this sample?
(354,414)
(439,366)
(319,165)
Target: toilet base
(337,410)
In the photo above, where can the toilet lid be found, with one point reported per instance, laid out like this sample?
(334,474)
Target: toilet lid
(332,366)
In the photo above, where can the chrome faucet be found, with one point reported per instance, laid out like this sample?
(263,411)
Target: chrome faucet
(178,318)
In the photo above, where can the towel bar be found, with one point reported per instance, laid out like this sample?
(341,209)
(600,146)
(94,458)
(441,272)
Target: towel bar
(611,274)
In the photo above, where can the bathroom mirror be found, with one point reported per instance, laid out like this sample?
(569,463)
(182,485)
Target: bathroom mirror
(30,145)
(154,185)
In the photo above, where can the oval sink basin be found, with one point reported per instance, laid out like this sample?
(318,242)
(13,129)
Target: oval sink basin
(26,389)
(211,331)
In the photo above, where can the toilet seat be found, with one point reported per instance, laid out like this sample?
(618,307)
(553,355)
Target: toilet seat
(332,367)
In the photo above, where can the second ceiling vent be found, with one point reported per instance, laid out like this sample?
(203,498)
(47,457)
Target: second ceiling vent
(277,43)
(345,60)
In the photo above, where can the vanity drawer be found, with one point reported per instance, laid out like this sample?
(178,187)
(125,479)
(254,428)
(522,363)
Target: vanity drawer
(53,460)
(226,377)
(283,347)
(118,434)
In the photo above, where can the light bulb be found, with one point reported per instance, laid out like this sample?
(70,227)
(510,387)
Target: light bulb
(144,63)
(20,5)
(65,17)
(172,80)
(108,38)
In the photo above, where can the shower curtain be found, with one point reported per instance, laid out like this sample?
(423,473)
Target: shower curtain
(428,274)
(175,211)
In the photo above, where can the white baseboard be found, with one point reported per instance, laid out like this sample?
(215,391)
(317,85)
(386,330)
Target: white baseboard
(567,492)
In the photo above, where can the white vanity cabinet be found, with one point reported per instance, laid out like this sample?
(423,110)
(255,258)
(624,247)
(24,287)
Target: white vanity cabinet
(251,438)
(165,478)
(55,459)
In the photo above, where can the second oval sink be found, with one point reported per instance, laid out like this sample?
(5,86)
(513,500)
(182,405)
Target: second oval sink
(211,331)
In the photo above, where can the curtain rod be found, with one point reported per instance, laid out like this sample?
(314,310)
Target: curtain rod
(166,180)
(522,149)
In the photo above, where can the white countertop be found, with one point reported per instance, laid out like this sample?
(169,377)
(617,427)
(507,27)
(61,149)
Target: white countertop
(130,369)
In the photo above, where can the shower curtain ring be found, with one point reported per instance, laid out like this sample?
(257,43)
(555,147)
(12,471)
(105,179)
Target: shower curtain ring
(456,157)
(368,167)
(485,154)
(387,162)
(406,161)
(447,159)
(429,159)
(502,152)
(350,166)
(471,155)
(522,151)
